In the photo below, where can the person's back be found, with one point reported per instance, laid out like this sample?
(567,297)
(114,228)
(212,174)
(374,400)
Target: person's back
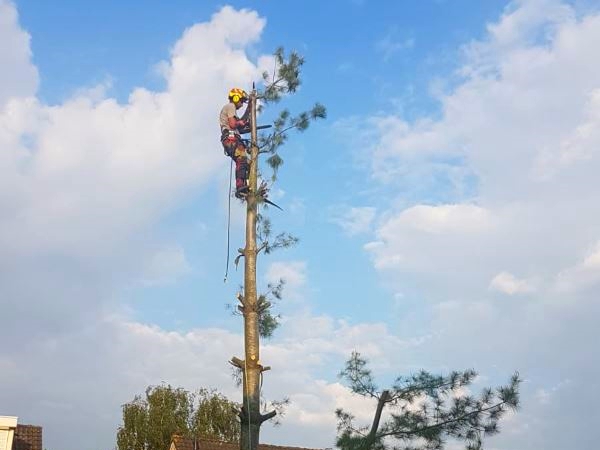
(227,112)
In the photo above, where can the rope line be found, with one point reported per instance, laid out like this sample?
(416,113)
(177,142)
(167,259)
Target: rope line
(228,220)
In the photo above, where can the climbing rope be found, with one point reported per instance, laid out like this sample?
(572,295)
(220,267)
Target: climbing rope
(228,220)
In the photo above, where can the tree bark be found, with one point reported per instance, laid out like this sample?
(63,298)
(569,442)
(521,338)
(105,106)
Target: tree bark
(250,416)
(370,438)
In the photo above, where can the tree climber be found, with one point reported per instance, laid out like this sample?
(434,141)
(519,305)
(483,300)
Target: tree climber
(234,147)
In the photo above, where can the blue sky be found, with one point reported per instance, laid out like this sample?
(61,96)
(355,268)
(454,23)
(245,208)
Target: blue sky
(379,55)
(445,209)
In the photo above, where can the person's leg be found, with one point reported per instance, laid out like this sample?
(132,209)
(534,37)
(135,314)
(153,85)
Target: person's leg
(229,146)
(242,169)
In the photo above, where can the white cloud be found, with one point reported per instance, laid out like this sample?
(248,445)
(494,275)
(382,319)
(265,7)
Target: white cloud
(83,186)
(93,171)
(165,266)
(84,182)
(292,272)
(580,145)
(442,219)
(509,284)
(354,220)
(443,228)
(91,176)
(523,123)
(510,164)
(583,275)
(19,77)
(524,23)
(312,408)
(98,367)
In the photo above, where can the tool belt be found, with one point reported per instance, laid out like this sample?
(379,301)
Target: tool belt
(231,140)
(229,135)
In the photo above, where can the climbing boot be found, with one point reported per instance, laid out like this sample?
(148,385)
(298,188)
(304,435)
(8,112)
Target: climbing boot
(242,191)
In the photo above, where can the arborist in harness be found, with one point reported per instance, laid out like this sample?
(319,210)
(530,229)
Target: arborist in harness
(231,128)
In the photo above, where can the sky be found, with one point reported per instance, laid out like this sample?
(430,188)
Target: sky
(447,209)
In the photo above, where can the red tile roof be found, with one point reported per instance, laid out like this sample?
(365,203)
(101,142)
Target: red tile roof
(179,442)
(182,443)
(28,437)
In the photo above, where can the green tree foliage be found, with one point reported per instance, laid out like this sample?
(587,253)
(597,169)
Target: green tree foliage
(215,417)
(283,81)
(267,322)
(149,422)
(424,411)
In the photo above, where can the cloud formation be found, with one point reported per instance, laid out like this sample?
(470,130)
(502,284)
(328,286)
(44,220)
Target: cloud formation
(83,186)
(509,284)
(22,77)
(84,182)
(353,220)
(515,144)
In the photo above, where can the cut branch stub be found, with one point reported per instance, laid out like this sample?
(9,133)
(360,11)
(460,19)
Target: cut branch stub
(237,362)
(264,305)
(236,261)
(267,416)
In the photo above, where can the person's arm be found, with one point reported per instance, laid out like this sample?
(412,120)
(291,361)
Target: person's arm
(246,115)
(235,123)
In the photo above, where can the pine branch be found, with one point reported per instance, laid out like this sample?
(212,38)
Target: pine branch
(430,384)
(267,321)
(360,378)
(440,425)
(425,426)
(284,80)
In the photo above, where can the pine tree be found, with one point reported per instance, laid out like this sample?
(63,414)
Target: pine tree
(255,308)
(425,410)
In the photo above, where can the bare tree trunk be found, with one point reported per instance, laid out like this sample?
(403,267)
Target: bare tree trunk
(250,415)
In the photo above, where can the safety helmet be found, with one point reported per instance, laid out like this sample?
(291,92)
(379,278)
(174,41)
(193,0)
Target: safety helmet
(237,94)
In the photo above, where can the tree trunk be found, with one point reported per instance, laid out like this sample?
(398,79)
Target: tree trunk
(250,415)
(371,437)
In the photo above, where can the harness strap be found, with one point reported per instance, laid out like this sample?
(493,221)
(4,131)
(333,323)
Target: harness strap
(226,133)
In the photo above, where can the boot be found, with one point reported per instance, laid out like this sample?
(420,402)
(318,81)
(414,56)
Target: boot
(242,191)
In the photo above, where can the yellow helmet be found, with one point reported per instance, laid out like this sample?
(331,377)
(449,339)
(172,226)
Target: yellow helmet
(237,94)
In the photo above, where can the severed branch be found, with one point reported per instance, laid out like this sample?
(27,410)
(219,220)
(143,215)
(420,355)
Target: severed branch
(237,362)
(267,416)
(237,258)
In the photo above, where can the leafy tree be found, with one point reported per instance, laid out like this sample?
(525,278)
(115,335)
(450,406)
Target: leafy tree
(425,410)
(215,417)
(149,422)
